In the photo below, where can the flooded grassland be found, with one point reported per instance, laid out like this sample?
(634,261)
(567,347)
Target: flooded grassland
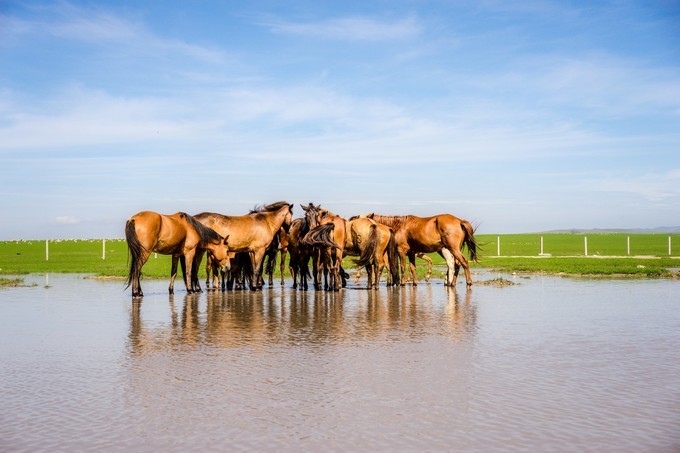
(546,364)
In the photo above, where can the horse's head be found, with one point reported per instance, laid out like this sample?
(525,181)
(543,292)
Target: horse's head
(220,253)
(312,215)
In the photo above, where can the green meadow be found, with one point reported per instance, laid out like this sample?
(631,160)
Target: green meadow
(608,255)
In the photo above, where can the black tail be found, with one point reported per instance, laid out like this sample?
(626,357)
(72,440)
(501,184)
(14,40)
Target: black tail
(320,236)
(393,258)
(469,240)
(368,253)
(136,249)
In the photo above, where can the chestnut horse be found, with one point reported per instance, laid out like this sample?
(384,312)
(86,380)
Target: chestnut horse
(251,233)
(443,233)
(179,235)
(387,255)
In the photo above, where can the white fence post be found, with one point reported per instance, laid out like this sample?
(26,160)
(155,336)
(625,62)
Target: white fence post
(628,244)
(103,249)
(47,250)
(541,245)
(585,244)
(498,245)
(669,245)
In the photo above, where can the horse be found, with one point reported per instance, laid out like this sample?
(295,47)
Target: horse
(279,245)
(251,233)
(443,233)
(300,253)
(360,237)
(387,255)
(179,235)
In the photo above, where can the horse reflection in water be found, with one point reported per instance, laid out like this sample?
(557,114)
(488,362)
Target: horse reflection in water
(293,318)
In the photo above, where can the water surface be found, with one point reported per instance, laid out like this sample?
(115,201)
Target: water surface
(547,364)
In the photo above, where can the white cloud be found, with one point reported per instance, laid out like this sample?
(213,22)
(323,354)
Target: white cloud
(66,220)
(652,186)
(356,28)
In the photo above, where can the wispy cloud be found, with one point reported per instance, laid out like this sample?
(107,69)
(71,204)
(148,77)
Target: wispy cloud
(66,220)
(652,186)
(355,28)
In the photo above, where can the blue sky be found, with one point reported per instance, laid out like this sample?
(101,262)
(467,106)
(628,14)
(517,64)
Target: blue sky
(519,116)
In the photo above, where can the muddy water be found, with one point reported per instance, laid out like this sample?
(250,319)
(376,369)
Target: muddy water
(548,364)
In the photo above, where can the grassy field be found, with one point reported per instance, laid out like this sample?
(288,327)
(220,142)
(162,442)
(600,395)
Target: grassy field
(607,255)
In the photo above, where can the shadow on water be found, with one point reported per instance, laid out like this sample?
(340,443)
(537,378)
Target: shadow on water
(309,318)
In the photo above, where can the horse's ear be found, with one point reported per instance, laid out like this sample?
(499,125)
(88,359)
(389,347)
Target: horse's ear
(225,239)
(291,207)
(303,208)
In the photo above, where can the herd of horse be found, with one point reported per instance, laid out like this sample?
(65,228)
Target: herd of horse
(236,248)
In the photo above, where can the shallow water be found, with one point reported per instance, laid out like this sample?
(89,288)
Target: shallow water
(548,364)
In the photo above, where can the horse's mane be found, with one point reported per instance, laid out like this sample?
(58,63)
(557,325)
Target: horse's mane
(392,221)
(206,234)
(269,208)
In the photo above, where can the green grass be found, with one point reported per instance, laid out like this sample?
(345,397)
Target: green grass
(519,253)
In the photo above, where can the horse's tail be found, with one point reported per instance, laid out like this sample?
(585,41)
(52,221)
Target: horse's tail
(469,239)
(393,258)
(136,250)
(320,236)
(368,253)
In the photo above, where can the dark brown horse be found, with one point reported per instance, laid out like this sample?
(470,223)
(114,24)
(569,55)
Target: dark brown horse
(252,233)
(300,254)
(443,233)
(335,237)
(179,235)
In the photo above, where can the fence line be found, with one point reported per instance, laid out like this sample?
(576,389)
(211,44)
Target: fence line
(591,246)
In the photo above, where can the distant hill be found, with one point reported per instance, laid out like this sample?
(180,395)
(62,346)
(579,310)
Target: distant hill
(657,230)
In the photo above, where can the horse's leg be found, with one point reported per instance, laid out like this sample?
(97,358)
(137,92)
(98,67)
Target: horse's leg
(369,275)
(208,272)
(136,274)
(450,264)
(188,260)
(173,272)
(256,259)
(402,265)
(463,262)
(316,273)
(282,266)
(412,267)
(429,265)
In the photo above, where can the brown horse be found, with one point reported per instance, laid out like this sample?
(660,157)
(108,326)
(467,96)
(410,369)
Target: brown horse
(251,233)
(179,235)
(443,233)
(279,245)
(301,253)
(360,237)
(387,255)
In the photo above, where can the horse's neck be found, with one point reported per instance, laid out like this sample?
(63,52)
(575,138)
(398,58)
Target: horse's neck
(277,220)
